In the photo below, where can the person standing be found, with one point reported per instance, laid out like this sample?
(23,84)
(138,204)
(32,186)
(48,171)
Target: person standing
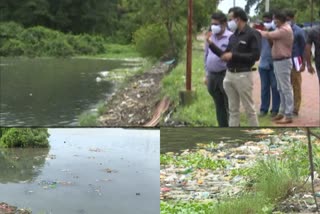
(313,38)
(267,77)
(299,44)
(241,54)
(282,39)
(216,68)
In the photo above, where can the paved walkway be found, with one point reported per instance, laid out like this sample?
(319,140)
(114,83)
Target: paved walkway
(310,107)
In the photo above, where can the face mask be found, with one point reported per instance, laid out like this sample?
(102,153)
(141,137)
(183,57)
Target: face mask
(216,29)
(232,25)
(268,26)
(273,25)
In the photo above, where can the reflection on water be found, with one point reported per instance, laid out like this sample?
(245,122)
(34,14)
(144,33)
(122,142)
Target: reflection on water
(21,165)
(177,139)
(86,171)
(53,92)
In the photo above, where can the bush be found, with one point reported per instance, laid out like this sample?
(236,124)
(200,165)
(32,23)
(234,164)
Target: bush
(10,29)
(152,40)
(12,47)
(24,137)
(59,47)
(86,44)
(41,41)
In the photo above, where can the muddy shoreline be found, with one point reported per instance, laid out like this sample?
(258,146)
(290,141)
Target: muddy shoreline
(135,102)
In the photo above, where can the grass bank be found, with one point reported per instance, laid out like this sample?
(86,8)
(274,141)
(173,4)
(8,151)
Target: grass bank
(202,111)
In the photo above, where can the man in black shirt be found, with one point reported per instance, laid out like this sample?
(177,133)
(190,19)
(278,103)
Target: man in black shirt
(241,54)
(313,38)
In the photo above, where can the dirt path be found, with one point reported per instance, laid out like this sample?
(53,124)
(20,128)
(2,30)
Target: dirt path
(135,103)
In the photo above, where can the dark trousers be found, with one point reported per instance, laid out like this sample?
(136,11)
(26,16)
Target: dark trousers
(269,84)
(215,88)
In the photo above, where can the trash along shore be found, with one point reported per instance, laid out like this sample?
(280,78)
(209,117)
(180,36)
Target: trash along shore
(275,166)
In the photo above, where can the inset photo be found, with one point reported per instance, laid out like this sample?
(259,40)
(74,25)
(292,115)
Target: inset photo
(237,171)
(79,171)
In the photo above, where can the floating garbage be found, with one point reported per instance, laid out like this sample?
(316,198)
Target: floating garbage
(48,184)
(95,189)
(108,170)
(260,131)
(51,157)
(95,150)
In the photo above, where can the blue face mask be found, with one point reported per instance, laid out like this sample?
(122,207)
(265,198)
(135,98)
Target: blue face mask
(216,29)
(232,25)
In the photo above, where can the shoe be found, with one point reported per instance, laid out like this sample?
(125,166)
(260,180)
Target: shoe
(278,117)
(285,121)
(274,114)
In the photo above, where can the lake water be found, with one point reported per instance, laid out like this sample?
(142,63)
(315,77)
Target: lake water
(86,171)
(53,92)
(177,139)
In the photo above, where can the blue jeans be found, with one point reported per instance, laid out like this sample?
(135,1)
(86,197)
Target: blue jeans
(269,84)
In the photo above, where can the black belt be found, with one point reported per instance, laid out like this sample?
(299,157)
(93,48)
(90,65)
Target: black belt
(238,70)
(280,59)
(217,73)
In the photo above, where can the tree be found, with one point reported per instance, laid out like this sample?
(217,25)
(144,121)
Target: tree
(301,6)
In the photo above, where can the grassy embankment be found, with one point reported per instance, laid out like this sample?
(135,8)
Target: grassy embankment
(202,111)
(270,181)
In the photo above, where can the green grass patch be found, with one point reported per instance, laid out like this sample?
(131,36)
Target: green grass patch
(202,111)
(195,160)
(119,51)
(88,119)
(246,204)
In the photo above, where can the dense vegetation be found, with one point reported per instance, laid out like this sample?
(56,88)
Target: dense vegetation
(303,10)
(41,41)
(24,137)
(122,21)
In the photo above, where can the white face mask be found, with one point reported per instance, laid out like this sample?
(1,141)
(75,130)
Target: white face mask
(273,25)
(216,29)
(232,25)
(268,26)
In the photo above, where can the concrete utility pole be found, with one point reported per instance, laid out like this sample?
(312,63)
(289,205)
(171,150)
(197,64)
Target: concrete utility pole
(312,13)
(267,5)
(186,96)
(234,3)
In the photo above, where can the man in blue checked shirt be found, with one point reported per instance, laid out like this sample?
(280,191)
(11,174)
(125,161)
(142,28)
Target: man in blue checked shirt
(267,76)
(216,68)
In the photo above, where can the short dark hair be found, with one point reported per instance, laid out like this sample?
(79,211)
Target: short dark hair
(280,15)
(238,12)
(290,13)
(267,15)
(221,17)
